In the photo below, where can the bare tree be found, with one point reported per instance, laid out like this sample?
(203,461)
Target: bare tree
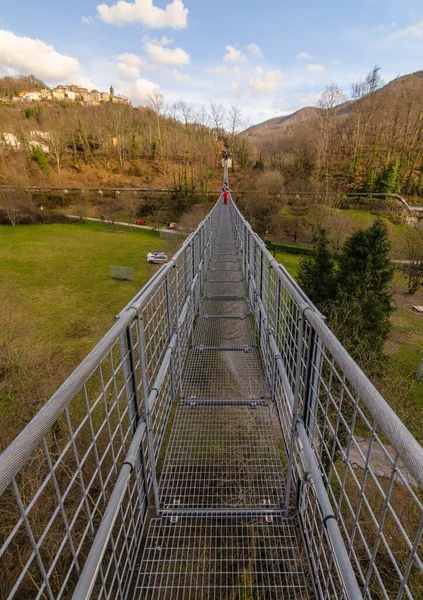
(328,104)
(218,113)
(155,102)
(17,203)
(235,125)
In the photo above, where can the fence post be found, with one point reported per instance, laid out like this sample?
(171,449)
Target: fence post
(312,382)
(178,331)
(170,333)
(131,386)
(147,415)
(297,390)
(276,335)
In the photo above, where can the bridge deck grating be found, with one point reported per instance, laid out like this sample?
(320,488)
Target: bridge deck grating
(224,332)
(231,374)
(214,558)
(223,457)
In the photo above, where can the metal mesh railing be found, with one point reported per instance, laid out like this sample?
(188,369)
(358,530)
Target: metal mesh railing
(355,473)
(74,485)
(275,430)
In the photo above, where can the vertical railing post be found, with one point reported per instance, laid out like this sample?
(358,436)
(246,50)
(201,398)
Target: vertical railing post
(276,336)
(178,330)
(260,294)
(129,371)
(170,331)
(297,391)
(312,382)
(147,414)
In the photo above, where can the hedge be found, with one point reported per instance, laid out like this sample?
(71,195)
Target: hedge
(270,245)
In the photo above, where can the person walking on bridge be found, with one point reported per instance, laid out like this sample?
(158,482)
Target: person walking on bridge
(225,196)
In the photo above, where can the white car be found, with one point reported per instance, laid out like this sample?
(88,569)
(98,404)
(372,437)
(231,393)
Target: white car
(157,258)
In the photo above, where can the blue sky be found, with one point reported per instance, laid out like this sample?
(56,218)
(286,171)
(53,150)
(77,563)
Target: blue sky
(270,58)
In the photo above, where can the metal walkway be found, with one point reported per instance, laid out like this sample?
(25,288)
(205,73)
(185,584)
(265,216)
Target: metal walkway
(224,460)
(218,443)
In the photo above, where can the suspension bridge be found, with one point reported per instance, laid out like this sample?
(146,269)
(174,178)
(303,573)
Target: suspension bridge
(218,443)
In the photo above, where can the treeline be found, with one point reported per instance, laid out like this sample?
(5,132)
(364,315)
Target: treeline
(164,146)
(370,142)
(13,86)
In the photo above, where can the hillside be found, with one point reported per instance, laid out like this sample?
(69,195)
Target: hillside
(372,142)
(62,143)
(281,125)
(13,86)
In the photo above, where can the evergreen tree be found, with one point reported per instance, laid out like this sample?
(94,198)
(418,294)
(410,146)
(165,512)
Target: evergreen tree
(388,182)
(364,299)
(41,159)
(316,274)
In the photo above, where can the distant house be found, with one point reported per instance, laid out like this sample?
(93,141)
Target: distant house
(31,97)
(95,96)
(58,94)
(105,97)
(87,97)
(45,94)
(70,95)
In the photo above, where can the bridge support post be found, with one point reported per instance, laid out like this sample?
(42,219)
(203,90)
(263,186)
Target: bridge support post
(170,328)
(312,381)
(297,391)
(127,353)
(147,413)
(276,336)
(178,332)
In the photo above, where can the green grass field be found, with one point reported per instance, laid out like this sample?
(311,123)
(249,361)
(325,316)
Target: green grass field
(57,300)
(289,261)
(59,274)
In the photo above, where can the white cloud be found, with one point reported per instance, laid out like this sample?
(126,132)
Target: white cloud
(302,100)
(174,57)
(235,87)
(139,91)
(163,41)
(316,68)
(129,65)
(86,20)
(85,82)
(254,50)
(173,15)
(304,56)
(32,56)
(233,55)
(217,70)
(265,81)
(383,27)
(415,30)
(180,77)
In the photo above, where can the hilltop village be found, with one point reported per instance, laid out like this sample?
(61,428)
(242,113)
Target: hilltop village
(72,93)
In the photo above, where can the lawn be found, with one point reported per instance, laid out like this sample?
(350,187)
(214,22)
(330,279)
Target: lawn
(289,261)
(57,300)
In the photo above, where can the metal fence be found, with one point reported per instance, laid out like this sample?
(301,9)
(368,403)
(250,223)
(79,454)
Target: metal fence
(355,472)
(75,484)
